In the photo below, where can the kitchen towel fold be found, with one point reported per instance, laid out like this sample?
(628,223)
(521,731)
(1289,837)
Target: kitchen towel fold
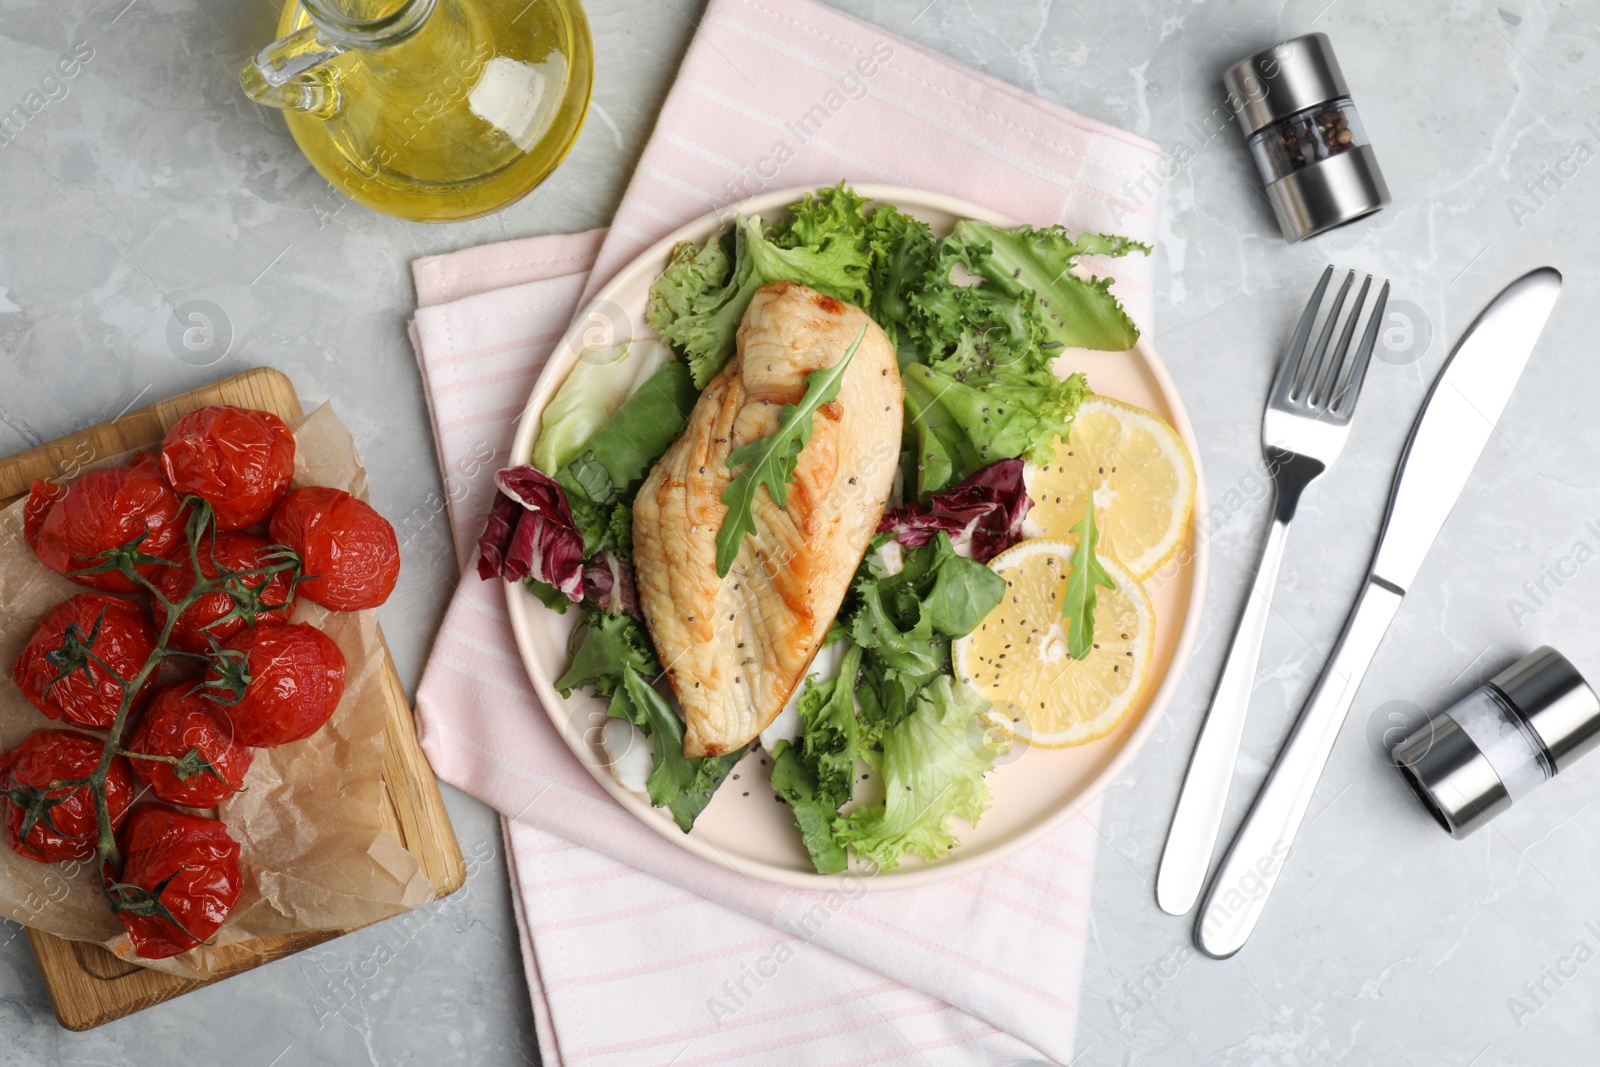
(636,951)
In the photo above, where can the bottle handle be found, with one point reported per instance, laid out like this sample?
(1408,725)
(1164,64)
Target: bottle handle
(292,73)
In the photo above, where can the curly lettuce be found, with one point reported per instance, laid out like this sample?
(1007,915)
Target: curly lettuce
(932,764)
(697,302)
(1074,312)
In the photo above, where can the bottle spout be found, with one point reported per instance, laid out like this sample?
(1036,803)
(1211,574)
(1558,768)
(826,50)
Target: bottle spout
(294,74)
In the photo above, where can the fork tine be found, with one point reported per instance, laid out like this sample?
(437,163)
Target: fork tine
(1303,388)
(1296,354)
(1344,402)
(1332,372)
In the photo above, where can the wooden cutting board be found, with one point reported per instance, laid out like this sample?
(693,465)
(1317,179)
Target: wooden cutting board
(89,986)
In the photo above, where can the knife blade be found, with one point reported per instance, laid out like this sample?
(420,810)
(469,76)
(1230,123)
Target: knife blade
(1457,419)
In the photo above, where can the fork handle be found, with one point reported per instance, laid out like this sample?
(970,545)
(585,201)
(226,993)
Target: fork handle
(1239,892)
(1198,819)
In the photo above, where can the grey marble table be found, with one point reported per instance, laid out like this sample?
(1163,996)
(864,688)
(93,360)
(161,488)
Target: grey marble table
(149,180)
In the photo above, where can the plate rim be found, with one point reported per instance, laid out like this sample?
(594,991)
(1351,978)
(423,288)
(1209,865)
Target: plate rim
(565,353)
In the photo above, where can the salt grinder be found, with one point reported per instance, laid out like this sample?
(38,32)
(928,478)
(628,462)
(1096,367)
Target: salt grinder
(1525,725)
(1310,148)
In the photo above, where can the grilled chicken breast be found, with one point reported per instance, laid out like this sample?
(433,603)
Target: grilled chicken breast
(734,648)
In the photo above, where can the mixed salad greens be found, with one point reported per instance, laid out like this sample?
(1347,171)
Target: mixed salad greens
(977,318)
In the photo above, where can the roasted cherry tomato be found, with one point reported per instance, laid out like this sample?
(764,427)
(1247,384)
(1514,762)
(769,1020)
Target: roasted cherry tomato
(160,843)
(296,677)
(238,459)
(261,598)
(179,721)
(348,547)
(106,509)
(42,496)
(52,825)
(56,672)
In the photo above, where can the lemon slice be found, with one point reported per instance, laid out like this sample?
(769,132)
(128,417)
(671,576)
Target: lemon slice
(1018,658)
(1142,477)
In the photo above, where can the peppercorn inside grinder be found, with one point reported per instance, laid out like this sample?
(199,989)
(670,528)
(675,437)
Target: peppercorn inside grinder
(1505,738)
(1310,148)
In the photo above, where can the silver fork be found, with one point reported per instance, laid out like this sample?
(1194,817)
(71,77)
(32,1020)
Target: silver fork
(1304,428)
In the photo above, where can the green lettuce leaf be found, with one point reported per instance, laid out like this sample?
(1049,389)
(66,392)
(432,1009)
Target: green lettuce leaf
(616,458)
(604,648)
(619,530)
(699,299)
(1076,313)
(835,265)
(817,775)
(978,366)
(592,392)
(905,622)
(933,763)
(682,785)
(548,595)
(960,421)
(794,780)
(833,213)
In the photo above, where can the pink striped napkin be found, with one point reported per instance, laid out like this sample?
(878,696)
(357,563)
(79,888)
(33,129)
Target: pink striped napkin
(636,951)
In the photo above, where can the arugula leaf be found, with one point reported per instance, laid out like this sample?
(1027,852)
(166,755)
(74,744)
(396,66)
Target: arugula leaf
(682,785)
(771,460)
(1078,601)
(605,647)
(933,763)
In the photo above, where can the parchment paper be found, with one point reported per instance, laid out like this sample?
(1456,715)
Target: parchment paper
(314,852)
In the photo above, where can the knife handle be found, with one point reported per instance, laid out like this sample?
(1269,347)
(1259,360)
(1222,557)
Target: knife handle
(1238,894)
(1192,840)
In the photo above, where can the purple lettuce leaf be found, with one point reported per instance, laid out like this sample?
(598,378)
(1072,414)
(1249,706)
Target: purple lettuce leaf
(987,509)
(608,583)
(530,533)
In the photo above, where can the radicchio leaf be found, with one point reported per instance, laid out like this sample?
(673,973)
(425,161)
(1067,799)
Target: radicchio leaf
(496,539)
(608,584)
(530,533)
(988,507)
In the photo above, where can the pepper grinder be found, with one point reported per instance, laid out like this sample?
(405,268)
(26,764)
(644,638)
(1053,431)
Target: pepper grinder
(1311,150)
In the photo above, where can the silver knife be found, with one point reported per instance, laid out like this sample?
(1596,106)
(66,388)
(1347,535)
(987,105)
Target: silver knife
(1457,420)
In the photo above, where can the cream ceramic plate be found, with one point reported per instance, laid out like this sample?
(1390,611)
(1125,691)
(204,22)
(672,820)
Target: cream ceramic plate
(744,828)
